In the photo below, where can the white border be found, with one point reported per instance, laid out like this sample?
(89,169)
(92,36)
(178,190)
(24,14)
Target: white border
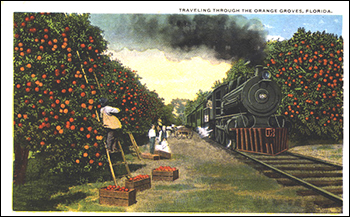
(7,9)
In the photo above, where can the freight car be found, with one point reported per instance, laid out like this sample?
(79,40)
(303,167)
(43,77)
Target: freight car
(242,115)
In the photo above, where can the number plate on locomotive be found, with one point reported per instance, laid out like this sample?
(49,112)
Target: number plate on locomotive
(270,132)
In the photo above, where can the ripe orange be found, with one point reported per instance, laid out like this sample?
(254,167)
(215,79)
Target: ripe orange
(85,154)
(86,147)
(77,161)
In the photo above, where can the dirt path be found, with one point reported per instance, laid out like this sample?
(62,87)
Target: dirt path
(186,154)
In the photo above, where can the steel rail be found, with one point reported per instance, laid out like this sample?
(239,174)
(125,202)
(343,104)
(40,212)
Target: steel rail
(323,192)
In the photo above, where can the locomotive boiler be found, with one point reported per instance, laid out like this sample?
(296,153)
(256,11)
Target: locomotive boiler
(242,115)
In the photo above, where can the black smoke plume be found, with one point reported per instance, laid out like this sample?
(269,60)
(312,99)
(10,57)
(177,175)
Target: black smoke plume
(219,37)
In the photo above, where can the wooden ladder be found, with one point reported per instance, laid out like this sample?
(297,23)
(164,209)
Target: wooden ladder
(136,149)
(134,146)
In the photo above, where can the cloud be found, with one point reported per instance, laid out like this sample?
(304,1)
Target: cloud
(268,26)
(274,38)
(321,22)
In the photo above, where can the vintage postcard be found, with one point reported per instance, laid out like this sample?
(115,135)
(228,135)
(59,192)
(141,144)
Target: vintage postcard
(186,108)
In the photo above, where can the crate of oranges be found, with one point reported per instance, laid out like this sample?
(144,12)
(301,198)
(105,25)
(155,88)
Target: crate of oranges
(139,182)
(117,196)
(165,173)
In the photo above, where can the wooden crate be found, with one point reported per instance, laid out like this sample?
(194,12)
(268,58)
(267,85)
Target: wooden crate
(165,175)
(163,154)
(117,198)
(150,156)
(139,185)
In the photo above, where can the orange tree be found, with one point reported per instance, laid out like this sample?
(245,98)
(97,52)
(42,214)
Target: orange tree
(139,106)
(309,70)
(60,72)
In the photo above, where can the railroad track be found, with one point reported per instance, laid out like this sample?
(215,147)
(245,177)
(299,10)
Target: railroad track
(317,176)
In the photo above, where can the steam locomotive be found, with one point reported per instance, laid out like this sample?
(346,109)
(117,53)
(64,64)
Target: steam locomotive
(241,115)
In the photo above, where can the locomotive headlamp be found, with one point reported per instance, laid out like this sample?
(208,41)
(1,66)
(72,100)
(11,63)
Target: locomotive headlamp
(265,74)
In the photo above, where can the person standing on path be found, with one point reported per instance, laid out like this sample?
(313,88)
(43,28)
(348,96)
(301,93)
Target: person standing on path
(111,123)
(152,139)
(162,134)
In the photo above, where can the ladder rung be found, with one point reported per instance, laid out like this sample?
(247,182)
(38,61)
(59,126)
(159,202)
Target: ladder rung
(120,163)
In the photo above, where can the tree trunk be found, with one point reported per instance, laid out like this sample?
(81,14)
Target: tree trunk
(21,162)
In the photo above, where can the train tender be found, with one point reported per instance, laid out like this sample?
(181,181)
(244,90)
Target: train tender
(242,115)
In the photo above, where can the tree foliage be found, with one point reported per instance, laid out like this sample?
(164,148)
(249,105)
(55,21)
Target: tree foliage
(239,68)
(192,104)
(179,107)
(60,72)
(309,70)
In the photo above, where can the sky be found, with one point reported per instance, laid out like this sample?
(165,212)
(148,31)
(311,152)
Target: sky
(175,72)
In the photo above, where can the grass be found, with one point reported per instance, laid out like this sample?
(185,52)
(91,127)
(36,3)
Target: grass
(228,188)
(330,152)
(205,185)
(44,191)
(213,188)
(218,201)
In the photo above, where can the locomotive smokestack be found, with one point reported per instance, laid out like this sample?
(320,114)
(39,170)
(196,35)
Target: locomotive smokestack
(258,69)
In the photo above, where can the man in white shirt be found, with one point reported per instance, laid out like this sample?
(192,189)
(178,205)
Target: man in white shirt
(152,139)
(111,123)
